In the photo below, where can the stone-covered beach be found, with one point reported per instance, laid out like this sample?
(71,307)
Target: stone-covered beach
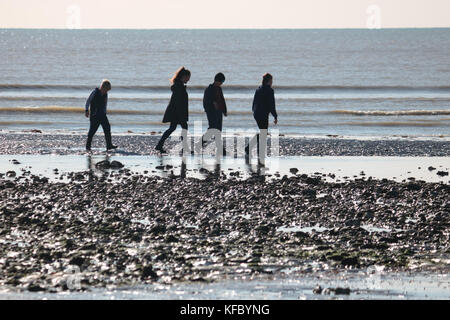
(119,228)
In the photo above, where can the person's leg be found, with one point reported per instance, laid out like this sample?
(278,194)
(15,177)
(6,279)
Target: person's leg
(263,124)
(93,127)
(184,129)
(251,144)
(211,125)
(166,134)
(261,139)
(219,120)
(220,150)
(107,131)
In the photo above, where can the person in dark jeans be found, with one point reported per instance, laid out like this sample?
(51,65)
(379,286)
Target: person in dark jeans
(177,112)
(263,105)
(215,108)
(96,111)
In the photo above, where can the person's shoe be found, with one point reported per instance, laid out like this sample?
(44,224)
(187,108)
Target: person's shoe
(111,147)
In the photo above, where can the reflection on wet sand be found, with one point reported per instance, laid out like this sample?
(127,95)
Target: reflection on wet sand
(332,169)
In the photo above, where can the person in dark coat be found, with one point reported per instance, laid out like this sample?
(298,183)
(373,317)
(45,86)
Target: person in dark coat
(263,105)
(177,112)
(96,111)
(215,108)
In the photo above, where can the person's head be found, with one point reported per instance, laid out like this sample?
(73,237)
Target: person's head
(182,75)
(105,86)
(219,79)
(267,80)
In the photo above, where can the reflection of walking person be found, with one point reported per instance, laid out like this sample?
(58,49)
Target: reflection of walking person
(177,112)
(96,111)
(263,105)
(215,108)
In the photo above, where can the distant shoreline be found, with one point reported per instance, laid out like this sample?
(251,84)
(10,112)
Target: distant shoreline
(225,29)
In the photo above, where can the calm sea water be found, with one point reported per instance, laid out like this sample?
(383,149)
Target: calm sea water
(346,82)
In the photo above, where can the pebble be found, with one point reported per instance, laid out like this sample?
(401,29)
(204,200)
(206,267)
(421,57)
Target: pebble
(11,174)
(337,291)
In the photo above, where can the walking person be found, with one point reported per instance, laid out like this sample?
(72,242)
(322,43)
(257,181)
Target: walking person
(96,111)
(263,105)
(215,108)
(177,112)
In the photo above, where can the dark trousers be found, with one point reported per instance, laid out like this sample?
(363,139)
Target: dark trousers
(215,119)
(95,123)
(262,124)
(172,128)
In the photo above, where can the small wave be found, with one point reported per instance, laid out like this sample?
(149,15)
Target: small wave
(138,123)
(162,100)
(63,109)
(352,100)
(396,124)
(160,111)
(57,87)
(228,87)
(20,122)
(391,113)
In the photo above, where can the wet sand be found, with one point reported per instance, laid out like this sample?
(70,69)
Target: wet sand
(64,144)
(95,232)
(362,284)
(147,229)
(330,168)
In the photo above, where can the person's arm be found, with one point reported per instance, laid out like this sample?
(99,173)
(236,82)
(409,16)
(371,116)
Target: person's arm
(88,103)
(273,109)
(208,99)
(224,103)
(216,98)
(255,102)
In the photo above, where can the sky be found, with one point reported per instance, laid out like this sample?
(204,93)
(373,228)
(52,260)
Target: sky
(192,14)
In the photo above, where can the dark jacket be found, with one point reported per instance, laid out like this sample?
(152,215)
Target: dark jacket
(214,94)
(97,103)
(177,110)
(264,103)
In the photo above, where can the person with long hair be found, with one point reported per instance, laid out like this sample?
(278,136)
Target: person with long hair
(177,111)
(263,105)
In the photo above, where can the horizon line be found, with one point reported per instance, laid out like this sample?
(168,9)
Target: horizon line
(217,28)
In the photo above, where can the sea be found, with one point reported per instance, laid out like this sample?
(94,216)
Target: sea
(386,83)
